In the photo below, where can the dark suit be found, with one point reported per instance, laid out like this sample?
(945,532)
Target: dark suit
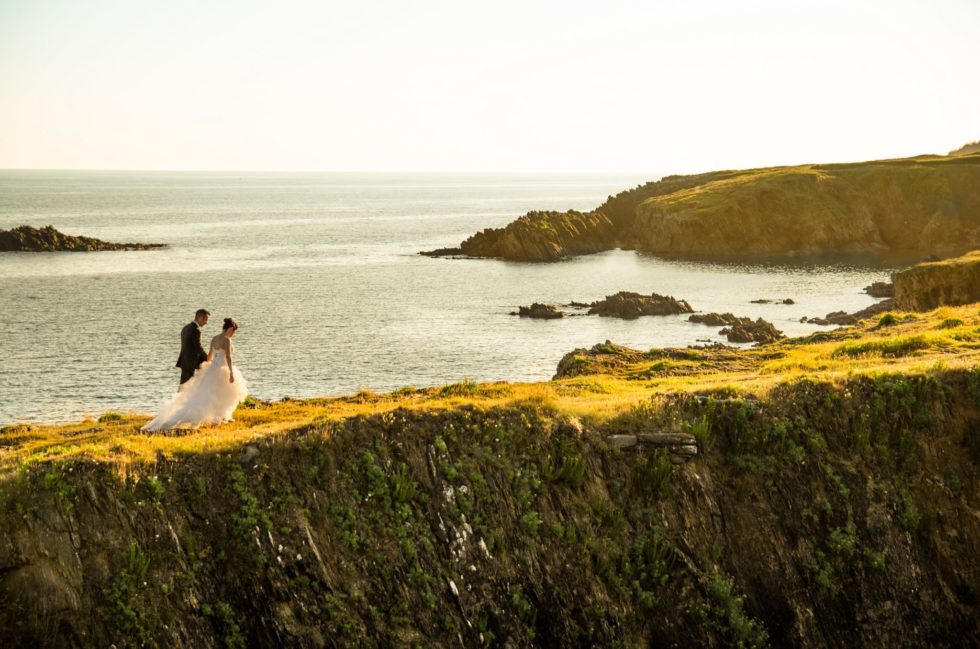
(191,352)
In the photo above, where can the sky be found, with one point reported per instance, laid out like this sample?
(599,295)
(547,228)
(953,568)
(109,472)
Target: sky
(504,86)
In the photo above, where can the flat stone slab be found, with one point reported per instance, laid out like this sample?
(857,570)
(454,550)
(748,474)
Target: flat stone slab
(667,439)
(621,441)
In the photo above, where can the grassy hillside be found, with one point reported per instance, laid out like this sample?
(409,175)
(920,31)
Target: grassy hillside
(834,500)
(899,210)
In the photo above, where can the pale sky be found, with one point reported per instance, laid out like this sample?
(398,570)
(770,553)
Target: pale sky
(424,85)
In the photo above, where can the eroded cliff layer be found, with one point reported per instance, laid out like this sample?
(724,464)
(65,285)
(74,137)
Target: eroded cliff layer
(896,210)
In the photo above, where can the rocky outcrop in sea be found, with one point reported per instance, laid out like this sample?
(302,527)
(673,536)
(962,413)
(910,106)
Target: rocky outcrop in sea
(48,239)
(630,305)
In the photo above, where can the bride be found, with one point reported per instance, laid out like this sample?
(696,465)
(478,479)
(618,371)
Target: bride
(211,395)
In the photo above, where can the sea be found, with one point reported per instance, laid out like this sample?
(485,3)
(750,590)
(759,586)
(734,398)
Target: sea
(323,275)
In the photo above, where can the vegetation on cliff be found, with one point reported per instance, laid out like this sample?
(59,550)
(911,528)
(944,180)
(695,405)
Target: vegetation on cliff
(47,239)
(899,210)
(833,501)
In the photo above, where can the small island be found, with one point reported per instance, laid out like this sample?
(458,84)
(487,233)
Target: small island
(48,239)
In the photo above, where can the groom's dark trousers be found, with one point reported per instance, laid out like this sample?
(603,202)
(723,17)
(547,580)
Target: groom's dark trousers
(191,352)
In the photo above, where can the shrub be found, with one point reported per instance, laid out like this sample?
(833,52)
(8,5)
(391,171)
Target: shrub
(888,320)
(949,323)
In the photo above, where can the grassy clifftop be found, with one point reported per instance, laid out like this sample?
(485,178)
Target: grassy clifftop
(834,500)
(902,209)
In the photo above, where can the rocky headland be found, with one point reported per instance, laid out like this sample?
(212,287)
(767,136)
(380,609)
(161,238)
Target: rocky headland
(897,210)
(48,239)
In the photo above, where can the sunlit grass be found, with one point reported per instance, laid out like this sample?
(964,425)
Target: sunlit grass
(945,339)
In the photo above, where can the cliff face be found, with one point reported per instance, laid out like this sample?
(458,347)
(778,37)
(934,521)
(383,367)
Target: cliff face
(933,284)
(885,210)
(824,515)
(897,210)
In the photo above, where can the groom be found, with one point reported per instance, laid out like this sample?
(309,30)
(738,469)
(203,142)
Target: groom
(191,352)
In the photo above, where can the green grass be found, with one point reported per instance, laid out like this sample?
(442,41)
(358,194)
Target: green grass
(893,347)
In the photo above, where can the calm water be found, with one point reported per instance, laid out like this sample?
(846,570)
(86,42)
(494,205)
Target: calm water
(320,270)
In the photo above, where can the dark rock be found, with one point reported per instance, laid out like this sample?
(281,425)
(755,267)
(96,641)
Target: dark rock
(880,289)
(633,305)
(759,331)
(47,239)
(666,439)
(541,311)
(443,252)
(842,318)
(718,319)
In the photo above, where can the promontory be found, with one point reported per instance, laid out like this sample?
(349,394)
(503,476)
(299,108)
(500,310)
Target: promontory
(899,210)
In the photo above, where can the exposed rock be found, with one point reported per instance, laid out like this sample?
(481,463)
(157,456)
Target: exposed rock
(443,252)
(47,239)
(718,319)
(633,305)
(943,283)
(768,301)
(845,319)
(541,236)
(880,289)
(621,441)
(541,311)
(759,331)
(666,439)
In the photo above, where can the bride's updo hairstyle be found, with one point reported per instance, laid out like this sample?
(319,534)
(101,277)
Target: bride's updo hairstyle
(229,324)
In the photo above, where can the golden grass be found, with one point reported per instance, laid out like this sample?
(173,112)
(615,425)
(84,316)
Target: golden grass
(864,349)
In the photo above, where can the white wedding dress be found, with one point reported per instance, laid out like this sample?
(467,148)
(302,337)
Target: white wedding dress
(207,398)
